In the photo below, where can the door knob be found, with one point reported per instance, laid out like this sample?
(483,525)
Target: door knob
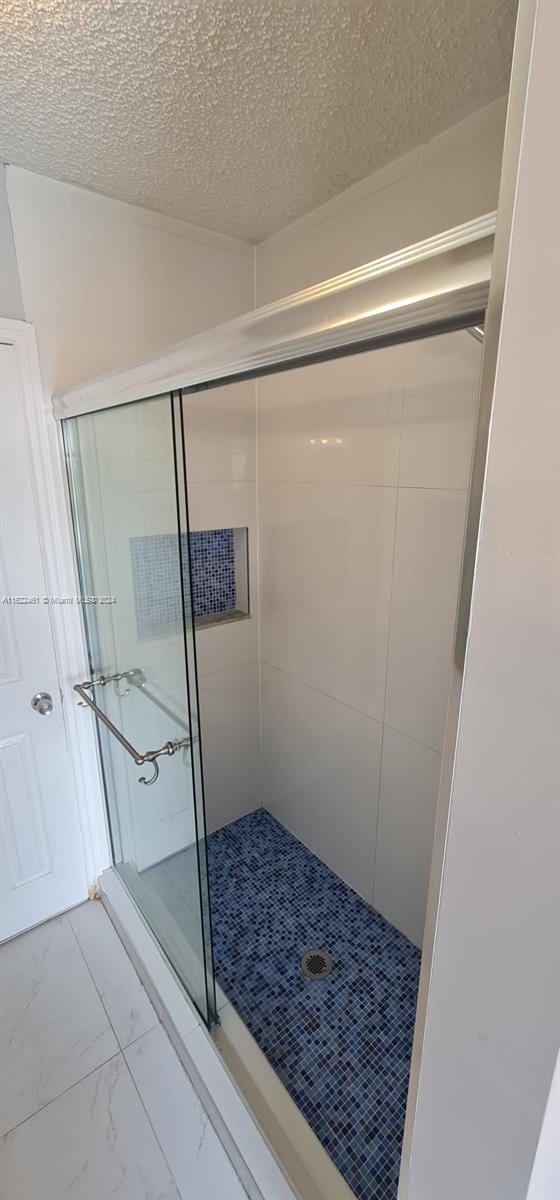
(42,703)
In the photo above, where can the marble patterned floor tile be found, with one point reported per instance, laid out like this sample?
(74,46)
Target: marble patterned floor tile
(93,1142)
(127,1005)
(195,1155)
(53,1027)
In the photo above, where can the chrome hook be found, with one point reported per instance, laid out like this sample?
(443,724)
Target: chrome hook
(148,782)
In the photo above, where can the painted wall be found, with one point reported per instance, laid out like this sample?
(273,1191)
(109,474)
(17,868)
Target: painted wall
(493,1015)
(363,473)
(11,303)
(107,283)
(451,179)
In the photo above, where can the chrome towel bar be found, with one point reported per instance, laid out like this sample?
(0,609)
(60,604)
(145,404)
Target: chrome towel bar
(150,756)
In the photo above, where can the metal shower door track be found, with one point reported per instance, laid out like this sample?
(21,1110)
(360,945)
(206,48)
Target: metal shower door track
(438,284)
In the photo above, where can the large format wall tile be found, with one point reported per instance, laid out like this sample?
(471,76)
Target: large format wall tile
(428,548)
(321,764)
(440,377)
(220,433)
(221,506)
(230,739)
(407,805)
(326,558)
(333,422)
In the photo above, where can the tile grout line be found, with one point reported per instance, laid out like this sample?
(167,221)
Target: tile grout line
(64,1092)
(328,695)
(391,487)
(148,1118)
(387,650)
(93,980)
(258,572)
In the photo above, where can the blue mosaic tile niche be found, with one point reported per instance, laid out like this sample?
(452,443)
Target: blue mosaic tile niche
(214,587)
(155,577)
(342,1045)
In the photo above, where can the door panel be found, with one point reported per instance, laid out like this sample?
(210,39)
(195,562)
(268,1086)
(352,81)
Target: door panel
(130,519)
(41,860)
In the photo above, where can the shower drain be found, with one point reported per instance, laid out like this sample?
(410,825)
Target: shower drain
(316,964)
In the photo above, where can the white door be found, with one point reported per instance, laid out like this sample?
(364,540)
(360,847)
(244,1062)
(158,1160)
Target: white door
(42,867)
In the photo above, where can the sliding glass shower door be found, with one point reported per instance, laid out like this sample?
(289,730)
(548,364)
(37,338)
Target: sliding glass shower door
(127,483)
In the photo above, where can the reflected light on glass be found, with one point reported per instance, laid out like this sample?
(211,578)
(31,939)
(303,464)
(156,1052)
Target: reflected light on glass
(326,441)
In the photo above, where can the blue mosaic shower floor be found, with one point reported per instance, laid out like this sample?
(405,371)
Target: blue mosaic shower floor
(340,1045)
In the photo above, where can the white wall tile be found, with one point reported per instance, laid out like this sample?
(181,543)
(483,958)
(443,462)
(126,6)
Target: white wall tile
(221,450)
(352,403)
(440,378)
(321,764)
(326,556)
(224,647)
(407,805)
(428,550)
(220,433)
(218,505)
(225,506)
(230,737)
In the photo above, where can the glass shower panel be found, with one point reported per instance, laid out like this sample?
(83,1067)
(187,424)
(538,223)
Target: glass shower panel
(323,708)
(128,495)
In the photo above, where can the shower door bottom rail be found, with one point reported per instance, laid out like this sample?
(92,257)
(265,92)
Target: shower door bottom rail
(150,756)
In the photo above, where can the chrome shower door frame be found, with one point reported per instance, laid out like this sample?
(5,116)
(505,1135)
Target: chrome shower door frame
(435,286)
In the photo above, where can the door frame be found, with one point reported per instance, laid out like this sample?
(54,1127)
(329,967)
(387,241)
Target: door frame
(56,542)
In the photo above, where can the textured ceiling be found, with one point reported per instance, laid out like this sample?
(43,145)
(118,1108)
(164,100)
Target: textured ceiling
(239,115)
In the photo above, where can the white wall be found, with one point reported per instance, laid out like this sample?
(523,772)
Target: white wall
(11,304)
(493,1014)
(360,551)
(451,179)
(107,283)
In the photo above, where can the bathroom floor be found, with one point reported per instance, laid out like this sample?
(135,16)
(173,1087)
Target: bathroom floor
(94,1100)
(341,1045)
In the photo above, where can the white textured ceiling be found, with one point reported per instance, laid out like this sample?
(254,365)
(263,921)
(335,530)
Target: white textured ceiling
(239,115)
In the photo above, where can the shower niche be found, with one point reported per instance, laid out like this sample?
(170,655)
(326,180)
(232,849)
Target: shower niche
(218,586)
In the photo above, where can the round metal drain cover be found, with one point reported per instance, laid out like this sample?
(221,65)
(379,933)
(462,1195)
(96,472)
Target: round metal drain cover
(316,964)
